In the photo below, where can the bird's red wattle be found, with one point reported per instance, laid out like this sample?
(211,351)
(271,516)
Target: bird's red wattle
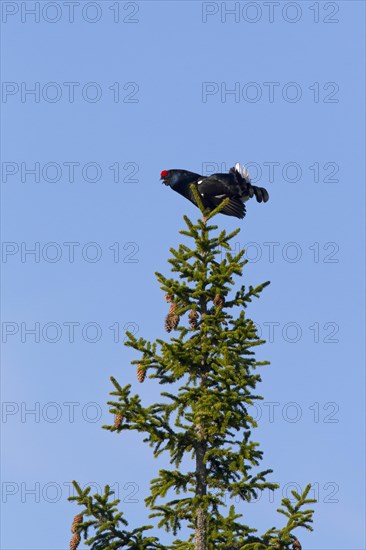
(163,173)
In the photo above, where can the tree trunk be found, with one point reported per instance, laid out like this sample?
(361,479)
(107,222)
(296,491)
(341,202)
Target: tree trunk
(201,530)
(200,537)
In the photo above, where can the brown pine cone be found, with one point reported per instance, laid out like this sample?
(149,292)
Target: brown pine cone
(75,541)
(172,319)
(193,316)
(168,297)
(117,421)
(141,374)
(173,309)
(168,324)
(219,300)
(77,519)
(296,545)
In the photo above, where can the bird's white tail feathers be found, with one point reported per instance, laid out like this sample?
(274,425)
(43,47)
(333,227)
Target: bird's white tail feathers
(242,171)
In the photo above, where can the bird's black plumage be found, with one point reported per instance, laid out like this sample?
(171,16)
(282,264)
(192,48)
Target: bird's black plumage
(235,185)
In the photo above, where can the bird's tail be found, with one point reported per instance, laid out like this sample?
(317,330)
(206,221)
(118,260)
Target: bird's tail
(243,171)
(261,194)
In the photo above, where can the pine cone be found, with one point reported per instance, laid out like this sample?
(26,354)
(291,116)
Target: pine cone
(173,309)
(168,297)
(168,324)
(75,541)
(219,300)
(193,316)
(77,519)
(171,322)
(172,319)
(296,545)
(141,374)
(117,421)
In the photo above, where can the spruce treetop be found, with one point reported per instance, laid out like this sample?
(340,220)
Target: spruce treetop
(211,354)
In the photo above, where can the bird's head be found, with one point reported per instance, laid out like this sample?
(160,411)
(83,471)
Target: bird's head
(173,177)
(178,179)
(165,175)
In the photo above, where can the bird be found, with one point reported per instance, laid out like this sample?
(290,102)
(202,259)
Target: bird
(235,185)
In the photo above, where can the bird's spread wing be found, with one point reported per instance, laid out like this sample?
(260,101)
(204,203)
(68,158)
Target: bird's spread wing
(218,187)
(234,208)
(219,184)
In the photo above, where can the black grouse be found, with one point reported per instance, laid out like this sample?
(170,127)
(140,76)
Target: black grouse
(235,185)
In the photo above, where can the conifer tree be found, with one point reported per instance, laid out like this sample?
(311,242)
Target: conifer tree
(211,353)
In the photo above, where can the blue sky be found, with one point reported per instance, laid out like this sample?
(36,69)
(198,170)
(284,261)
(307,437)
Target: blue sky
(123,90)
